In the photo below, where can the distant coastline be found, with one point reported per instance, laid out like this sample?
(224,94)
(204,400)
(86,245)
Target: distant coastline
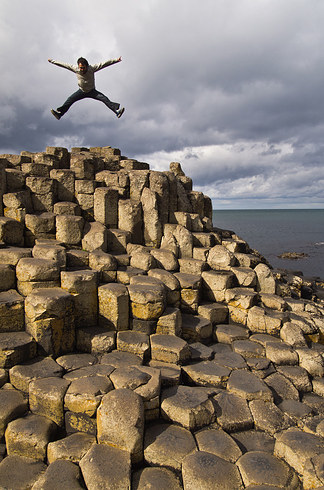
(273,232)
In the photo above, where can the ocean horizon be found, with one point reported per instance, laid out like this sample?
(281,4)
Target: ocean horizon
(275,231)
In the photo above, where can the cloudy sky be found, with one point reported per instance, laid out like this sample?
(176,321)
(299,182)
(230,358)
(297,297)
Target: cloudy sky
(232,89)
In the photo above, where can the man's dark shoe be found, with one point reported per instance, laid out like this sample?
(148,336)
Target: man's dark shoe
(120,112)
(56,114)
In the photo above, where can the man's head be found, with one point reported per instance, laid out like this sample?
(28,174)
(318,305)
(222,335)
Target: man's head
(83,65)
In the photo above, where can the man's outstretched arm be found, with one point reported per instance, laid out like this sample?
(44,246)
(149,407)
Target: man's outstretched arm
(100,66)
(63,65)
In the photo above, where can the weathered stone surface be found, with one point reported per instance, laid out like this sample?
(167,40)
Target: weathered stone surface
(268,417)
(11,232)
(22,374)
(169,348)
(151,218)
(84,394)
(49,317)
(16,347)
(129,377)
(265,280)
(71,448)
(189,407)
(12,317)
(298,376)
(135,342)
(119,427)
(206,373)
(196,328)
(218,442)
(12,255)
(69,229)
(248,348)
(106,467)
(167,445)
(120,359)
(253,440)
(58,475)
(204,470)
(20,473)
(94,237)
(165,259)
(215,283)
(95,340)
(130,219)
(32,269)
(46,397)
(170,322)
(297,448)
(216,313)
(232,412)
(281,353)
(281,387)
(29,436)
(71,362)
(146,302)
(7,277)
(171,284)
(261,320)
(261,468)
(12,406)
(200,352)
(155,477)
(296,410)
(82,284)
(228,333)
(80,422)
(220,258)
(248,386)
(293,335)
(311,361)
(54,252)
(113,306)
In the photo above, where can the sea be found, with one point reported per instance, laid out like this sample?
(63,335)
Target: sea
(275,231)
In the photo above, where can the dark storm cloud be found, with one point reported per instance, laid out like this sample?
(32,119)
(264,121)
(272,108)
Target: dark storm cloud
(234,90)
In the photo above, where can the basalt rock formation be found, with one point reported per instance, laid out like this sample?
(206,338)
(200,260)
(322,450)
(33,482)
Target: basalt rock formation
(140,346)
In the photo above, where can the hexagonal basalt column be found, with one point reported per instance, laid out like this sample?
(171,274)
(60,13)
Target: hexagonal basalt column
(49,316)
(82,284)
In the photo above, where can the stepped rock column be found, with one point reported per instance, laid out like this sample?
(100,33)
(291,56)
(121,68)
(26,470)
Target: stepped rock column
(106,206)
(82,284)
(152,224)
(49,318)
(130,219)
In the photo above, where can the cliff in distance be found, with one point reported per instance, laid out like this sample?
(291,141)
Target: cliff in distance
(140,345)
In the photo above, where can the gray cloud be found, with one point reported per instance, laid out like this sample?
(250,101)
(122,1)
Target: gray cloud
(233,90)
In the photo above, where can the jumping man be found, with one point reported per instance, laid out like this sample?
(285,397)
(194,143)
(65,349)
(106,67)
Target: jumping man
(86,81)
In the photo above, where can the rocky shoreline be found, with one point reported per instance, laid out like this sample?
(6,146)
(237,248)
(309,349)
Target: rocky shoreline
(142,347)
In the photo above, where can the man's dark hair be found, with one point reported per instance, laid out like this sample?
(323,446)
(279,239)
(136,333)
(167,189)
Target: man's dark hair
(83,61)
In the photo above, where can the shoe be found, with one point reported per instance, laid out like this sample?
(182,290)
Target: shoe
(120,112)
(56,114)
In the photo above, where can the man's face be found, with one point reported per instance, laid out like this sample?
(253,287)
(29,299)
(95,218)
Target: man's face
(83,68)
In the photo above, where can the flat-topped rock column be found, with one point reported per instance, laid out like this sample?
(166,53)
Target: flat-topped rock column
(69,229)
(106,206)
(82,284)
(34,273)
(147,302)
(113,306)
(49,316)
